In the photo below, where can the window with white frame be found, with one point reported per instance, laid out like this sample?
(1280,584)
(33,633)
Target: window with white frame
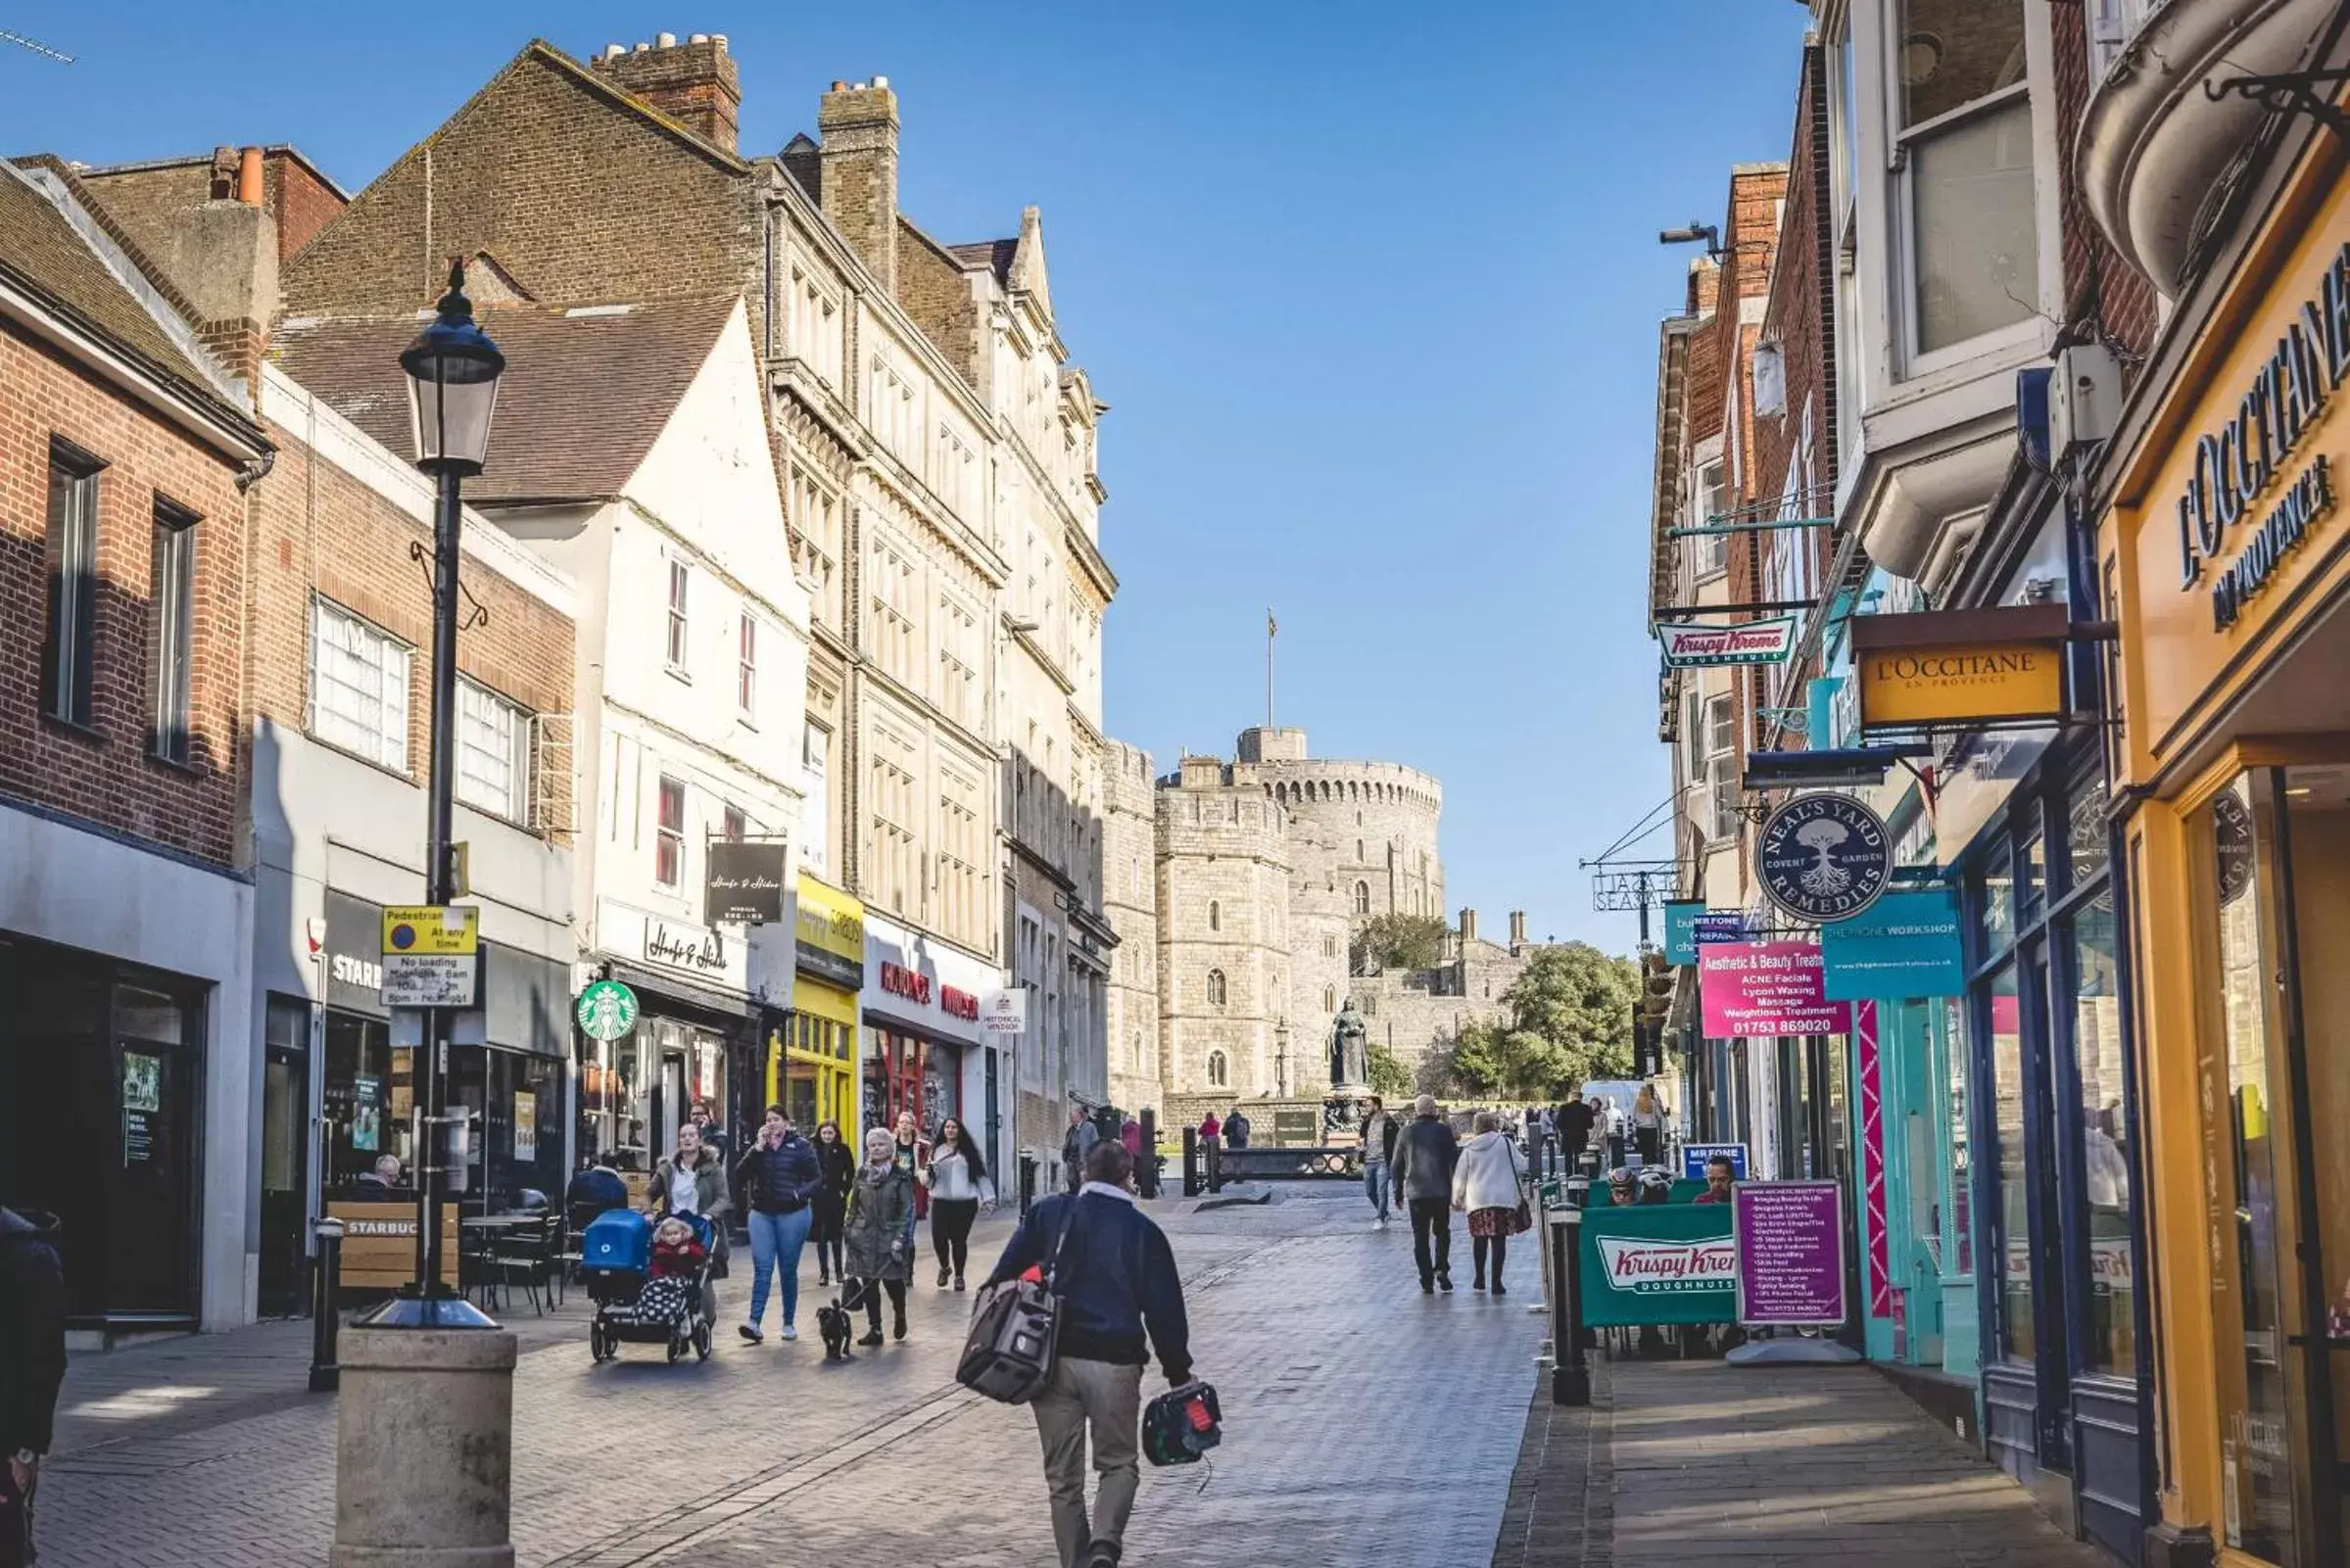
(1708,554)
(746,668)
(359,686)
(493,753)
(815,328)
(680,584)
(893,842)
(1721,766)
(669,833)
(1963,139)
(815,814)
(961,854)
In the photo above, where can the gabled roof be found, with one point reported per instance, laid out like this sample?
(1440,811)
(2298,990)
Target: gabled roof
(586,391)
(995,256)
(56,250)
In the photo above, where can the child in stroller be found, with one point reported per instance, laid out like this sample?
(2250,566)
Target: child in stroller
(654,1294)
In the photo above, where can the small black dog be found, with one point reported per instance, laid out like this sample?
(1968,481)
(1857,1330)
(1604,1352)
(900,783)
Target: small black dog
(831,1322)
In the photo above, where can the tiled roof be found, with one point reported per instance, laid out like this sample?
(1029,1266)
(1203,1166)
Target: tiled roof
(585,394)
(994,254)
(42,251)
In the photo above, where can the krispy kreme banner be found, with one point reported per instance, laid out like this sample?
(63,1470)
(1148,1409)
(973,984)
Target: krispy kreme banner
(1749,642)
(1658,1263)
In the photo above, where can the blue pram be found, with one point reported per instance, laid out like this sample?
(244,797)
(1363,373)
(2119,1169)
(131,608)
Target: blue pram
(615,1258)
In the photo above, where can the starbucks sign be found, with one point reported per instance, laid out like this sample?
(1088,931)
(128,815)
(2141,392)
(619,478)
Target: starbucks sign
(606,1011)
(1824,857)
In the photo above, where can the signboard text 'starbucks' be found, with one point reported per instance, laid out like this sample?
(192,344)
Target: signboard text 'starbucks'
(1658,1263)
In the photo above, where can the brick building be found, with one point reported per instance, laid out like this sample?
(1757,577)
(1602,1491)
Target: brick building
(127,1073)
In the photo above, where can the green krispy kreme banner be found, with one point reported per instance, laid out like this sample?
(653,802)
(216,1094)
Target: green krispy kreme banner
(1658,1263)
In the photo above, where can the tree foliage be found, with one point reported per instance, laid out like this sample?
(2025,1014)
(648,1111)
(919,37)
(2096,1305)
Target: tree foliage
(1505,1062)
(1578,1000)
(1399,942)
(1390,1079)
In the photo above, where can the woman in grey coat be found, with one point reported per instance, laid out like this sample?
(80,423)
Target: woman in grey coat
(878,1256)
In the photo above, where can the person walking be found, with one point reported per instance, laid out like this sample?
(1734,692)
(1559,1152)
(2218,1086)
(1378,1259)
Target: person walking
(1075,1144)
(1649,1115)
(780,1175)
(879,1256)
(957,1179)
(32,1366)
(1209,1128)
(1378,1147)
(1612,1119)
(830,1206)
(693,1181)
(1117,1281)
(1129,1133)
(1573,1121)
(1488,1183)
(1421,1175)
(1236,1129)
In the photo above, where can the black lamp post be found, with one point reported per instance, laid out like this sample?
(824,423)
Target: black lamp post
(452,369)
(1280,1057)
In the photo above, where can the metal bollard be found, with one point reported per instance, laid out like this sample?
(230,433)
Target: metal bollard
(1215,1164)
(1146,1165)
(1570,1373)
(1578,1192)
(326,1321)
(1028,1180)
(1192,1156)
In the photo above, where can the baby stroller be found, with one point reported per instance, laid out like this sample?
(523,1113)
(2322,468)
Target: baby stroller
(631,1307)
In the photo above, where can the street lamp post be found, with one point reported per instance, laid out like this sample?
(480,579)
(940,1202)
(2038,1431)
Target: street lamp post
(424,1422)
(1280,1057)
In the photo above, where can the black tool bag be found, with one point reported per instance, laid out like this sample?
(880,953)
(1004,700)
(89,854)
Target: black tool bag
(1008,1356)
(1182,1424)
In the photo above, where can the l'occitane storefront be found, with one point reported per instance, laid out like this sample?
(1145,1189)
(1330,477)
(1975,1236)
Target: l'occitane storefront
(812,1065)
(2226,549)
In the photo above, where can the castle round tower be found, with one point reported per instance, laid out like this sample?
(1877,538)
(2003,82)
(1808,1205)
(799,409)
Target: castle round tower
(1225,988)
(1365,830)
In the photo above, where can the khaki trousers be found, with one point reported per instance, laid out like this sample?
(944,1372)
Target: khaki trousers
(1107,1398)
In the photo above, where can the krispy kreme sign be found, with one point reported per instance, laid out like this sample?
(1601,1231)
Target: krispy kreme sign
(1749,642)
(1647,1266)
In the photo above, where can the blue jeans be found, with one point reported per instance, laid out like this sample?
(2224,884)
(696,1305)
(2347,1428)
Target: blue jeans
(775,1243)
(1375,1184)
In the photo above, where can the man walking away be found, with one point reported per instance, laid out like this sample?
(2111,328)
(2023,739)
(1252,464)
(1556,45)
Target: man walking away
(1378,1147)
(1235,1130)
(1075,1144)
(1574,1130)
(33,1364)
(1116,1280)
(1421,1177)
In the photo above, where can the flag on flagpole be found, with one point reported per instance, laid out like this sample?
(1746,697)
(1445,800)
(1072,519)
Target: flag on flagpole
(1272,626)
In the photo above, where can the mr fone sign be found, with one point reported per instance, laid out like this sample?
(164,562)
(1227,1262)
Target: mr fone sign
(1824,857)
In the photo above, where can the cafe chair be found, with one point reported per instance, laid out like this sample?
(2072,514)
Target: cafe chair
(524,1253)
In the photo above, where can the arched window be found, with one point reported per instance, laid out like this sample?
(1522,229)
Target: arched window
(1215,988)
(1363,898)
(1215,916)
(1329,945)
(1330,999)
(1359,852)
(1217,1072)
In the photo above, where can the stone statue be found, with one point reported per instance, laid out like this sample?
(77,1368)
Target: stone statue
(1349,1057)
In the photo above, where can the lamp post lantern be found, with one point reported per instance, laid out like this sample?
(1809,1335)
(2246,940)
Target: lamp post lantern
(1280,1057)
(452,369)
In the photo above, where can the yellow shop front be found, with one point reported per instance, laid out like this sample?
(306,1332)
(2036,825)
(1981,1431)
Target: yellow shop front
(2226,556)
(812,1059)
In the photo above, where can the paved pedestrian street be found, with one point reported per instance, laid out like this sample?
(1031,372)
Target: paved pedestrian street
(1364,1423)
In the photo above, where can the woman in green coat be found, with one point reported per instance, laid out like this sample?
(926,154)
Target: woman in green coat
(877,1255)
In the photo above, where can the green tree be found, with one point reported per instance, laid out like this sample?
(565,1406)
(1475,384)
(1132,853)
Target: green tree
(1505,1062)
(1399,942)
(1578,1001)
(1389,1077)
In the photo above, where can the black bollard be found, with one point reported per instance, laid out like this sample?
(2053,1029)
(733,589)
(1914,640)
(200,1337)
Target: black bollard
(1146,1165)
(1571,1374)
(1191,1153)
(1215,1164)
(326,1321)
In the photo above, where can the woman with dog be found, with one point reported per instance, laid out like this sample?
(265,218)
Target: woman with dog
(957,1179)
(876,1251)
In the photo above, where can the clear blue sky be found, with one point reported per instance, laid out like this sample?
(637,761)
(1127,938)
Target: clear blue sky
(1372,290)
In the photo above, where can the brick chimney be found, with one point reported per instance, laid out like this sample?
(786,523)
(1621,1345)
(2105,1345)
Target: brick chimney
(857,122)
(695,84)
(1469,926)
(1517,929)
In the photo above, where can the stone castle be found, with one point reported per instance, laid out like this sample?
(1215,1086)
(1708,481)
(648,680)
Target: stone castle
(1237,888)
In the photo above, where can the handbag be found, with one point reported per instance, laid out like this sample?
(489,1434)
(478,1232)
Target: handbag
(1521,1219)
(1015,1331)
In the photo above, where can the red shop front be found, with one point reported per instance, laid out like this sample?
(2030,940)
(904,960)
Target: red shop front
(921,1006)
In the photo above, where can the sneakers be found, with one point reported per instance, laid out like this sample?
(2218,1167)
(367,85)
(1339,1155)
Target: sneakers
(958,1282)
(823,1279)
(1102,1554)
(788,1332)
(944,1274)
(872,1336)
(751,1332)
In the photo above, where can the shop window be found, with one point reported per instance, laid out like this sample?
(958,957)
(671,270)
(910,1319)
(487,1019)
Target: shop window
(359,687)
(2031,877)
(2018,1335)
(368,1094)
(2109,1343)
(1994,909)
(1965,134)
(67,659)
(171,612)
(669,835)
(493,756)
(615,1101)
(1218,1074)
(2087,850)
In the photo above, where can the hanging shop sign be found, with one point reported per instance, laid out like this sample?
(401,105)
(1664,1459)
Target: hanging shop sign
(742,884)
(1791,1253)
(1689,647)
(828,934)
(1824,857)
(606,1011)
(1906,944)
(1999,666)
(1752,990)
(1681,930)
(1657,1264)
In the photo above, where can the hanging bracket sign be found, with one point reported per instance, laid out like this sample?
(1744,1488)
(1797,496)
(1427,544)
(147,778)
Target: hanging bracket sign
(1970,668)
(1687,648)
(1824,857)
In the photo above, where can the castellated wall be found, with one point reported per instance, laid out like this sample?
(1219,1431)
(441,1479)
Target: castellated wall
(1131,900)
(1223,879)
(1419,1013)
(1365,829)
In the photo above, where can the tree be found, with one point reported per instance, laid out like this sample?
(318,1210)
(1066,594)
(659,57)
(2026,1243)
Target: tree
(1390,1079)
(1504,1063)
(1578,1001)
(1399,942)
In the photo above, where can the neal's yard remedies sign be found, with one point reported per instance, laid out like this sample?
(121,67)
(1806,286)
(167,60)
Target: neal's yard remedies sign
(1749,642)
(1824,857)
(1791,1253)
(1658,1263)
(1757,989)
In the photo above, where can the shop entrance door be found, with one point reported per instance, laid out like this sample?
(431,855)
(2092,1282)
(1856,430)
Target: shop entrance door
(285,1184)
(149,1200)
(2051,1278)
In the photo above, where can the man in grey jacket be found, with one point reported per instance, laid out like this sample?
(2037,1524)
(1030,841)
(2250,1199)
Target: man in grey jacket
(1422,1176)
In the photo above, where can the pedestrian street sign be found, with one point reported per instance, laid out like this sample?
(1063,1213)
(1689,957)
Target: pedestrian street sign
(606,1011)
(1657,1264)
(431,955)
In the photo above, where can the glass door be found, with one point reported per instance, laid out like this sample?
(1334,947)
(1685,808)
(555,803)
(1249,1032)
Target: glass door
(150,1183)
(285,1163)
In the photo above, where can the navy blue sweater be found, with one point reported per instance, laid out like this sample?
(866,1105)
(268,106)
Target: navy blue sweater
(1116,1277)
(781,1180)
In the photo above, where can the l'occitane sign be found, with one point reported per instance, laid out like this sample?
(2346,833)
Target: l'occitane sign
(1963,667)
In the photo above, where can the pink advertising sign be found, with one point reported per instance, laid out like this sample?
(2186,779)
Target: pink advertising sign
(1754,989)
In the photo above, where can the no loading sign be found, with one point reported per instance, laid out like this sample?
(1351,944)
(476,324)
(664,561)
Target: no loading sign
(1824,857)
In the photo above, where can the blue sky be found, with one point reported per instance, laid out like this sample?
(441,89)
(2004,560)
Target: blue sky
(1373,291)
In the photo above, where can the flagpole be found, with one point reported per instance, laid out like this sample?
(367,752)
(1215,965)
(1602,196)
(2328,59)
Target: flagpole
(1271,626)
